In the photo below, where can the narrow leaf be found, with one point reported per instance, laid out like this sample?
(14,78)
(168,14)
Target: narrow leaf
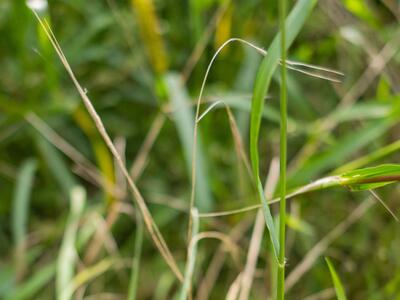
(266,70)
(34,284)
(20,211)
(133,282)
(340,293)
(370,178)
(184,122)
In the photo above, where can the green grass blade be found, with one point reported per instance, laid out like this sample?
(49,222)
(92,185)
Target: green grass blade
(21,199)
(269,64)
(340,293)
(36,282)
(67,256)
(268,219)
(184,120)
(57,165)
(370,178)
(7,271)
(164,286)
(299,225)
(338,152)
(196,8)
(369,158)
(364,110)
(280,293)
(266,70)
(20,22)
(382,170)
(133,282)
(7,282)
(20,211)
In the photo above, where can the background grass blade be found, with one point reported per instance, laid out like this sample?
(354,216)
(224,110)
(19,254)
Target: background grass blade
(29,289)
(134,280)
(20,212)
(340,293)
(184,120)
(57,165)
(150,32)
(369,158)
(339,151)
(90,273)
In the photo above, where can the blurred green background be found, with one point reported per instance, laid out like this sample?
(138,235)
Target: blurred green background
(67,219)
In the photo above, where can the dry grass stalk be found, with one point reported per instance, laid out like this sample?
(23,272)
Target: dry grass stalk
(150,224)
(234,289)
(209,279)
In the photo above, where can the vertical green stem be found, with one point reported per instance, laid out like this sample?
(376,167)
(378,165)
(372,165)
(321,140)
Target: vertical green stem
(283,150)
(133,282)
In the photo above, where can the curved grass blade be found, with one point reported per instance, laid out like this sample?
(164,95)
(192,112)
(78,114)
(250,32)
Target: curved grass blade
(269,64)
(340,293)
(91,273)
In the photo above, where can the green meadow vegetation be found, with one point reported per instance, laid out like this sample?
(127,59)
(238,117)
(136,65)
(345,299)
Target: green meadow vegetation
(201,149)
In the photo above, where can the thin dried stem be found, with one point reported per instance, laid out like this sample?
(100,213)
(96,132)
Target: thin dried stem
(148,219)
(217,261)
(233,291)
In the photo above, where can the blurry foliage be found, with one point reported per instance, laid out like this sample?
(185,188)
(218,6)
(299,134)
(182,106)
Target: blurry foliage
(124,58)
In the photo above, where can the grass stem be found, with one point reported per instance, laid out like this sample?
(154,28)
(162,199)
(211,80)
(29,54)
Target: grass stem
(283,154)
